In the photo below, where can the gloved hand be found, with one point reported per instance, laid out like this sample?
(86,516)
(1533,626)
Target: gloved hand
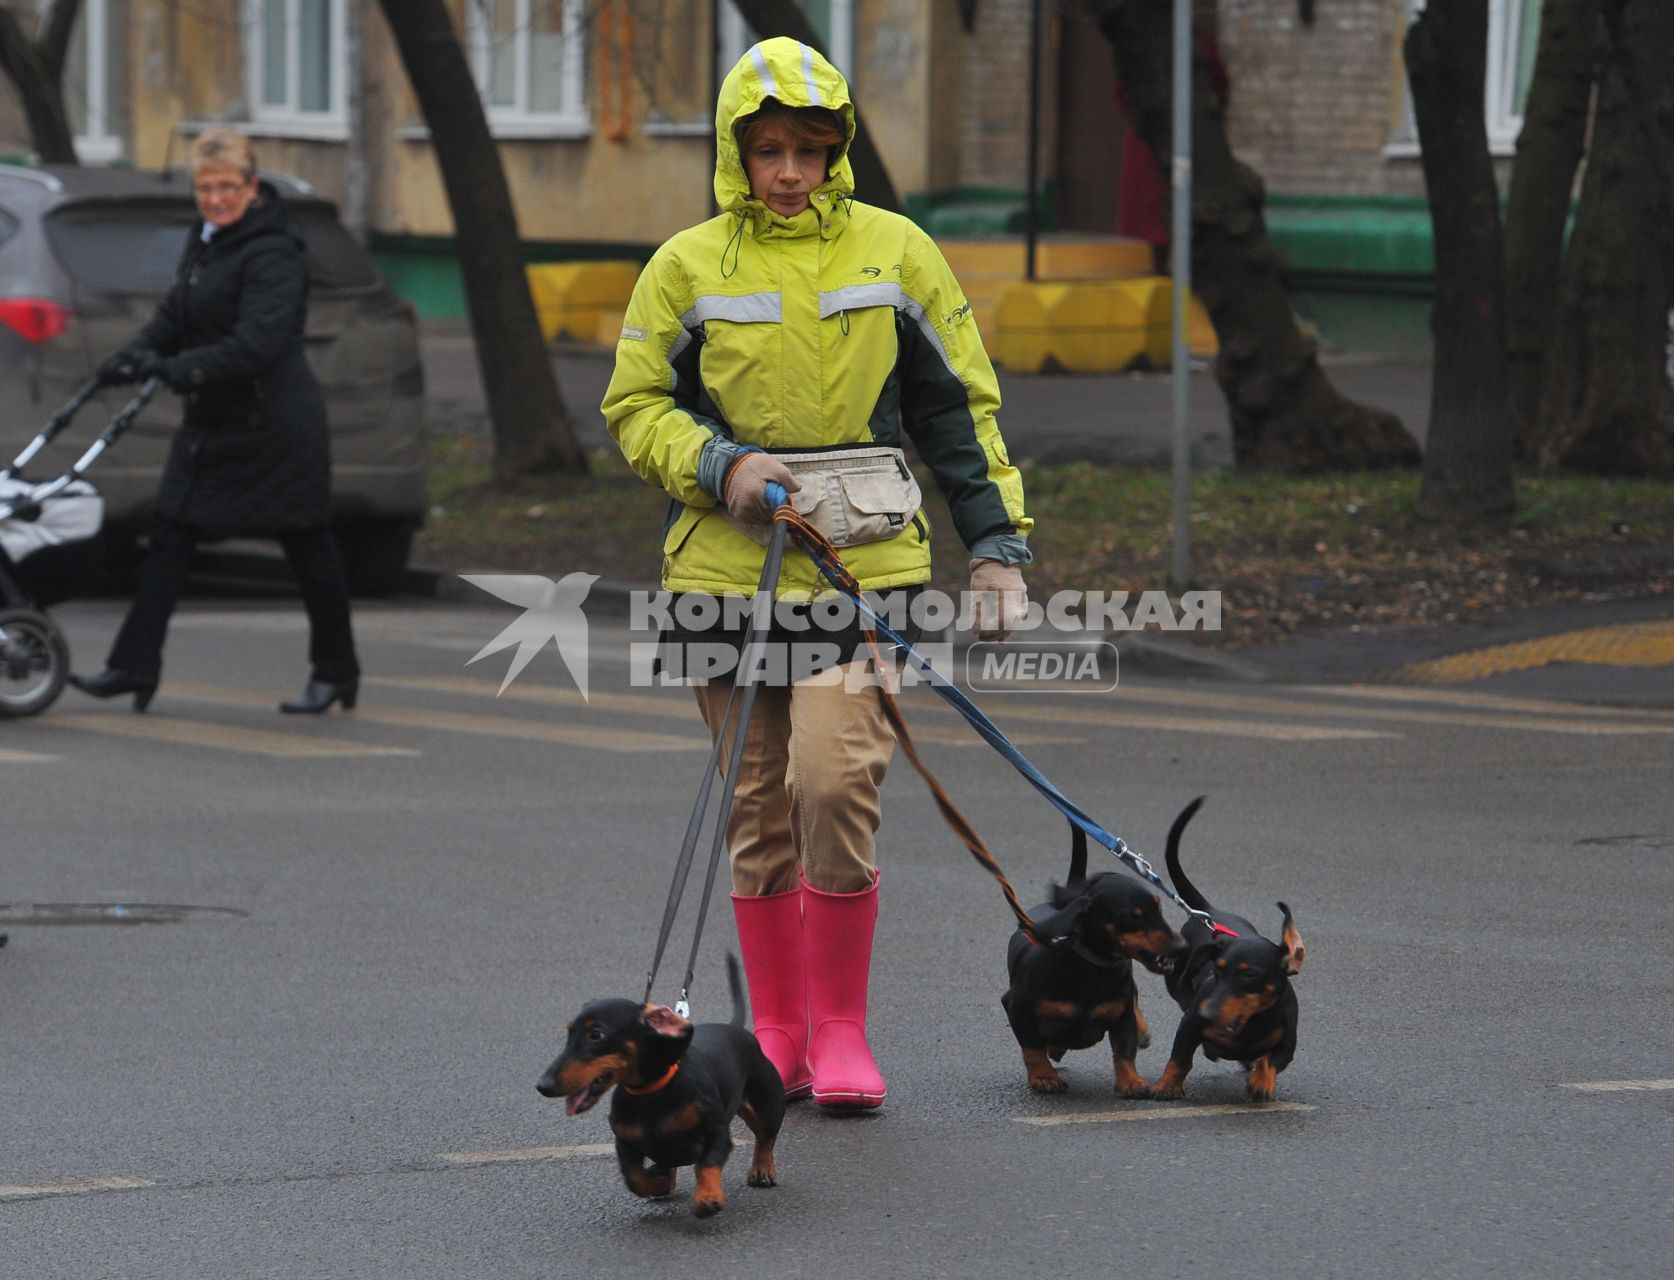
(151,365)
(122,368)
(998,598)
(746,497)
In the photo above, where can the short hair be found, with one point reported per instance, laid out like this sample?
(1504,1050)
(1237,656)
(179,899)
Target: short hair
(820,126)
(224,148)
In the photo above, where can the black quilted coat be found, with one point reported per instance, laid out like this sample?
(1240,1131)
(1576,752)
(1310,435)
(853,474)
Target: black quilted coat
(253,454)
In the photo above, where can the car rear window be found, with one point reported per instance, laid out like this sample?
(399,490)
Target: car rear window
(134,248)
(124,249)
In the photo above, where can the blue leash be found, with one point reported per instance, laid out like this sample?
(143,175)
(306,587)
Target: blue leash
(834,571)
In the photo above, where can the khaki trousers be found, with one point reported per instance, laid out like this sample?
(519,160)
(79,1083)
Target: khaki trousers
(807,791)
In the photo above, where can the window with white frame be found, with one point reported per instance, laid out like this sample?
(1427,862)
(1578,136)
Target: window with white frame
(832,20)
(529,58)
(296,67)
(1513,37)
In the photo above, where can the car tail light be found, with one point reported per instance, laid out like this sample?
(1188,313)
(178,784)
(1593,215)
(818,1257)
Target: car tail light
(34,319)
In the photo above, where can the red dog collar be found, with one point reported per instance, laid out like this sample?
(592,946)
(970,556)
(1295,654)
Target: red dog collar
(656,1087)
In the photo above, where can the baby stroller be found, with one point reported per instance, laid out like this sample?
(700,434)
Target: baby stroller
(50,549)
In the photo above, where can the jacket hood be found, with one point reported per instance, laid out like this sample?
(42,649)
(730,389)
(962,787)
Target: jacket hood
(798,76)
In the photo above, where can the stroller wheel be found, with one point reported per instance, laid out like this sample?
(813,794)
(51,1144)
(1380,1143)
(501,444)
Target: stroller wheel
(34,661)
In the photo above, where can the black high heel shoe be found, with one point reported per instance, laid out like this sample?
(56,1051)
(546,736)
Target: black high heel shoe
(111,683)
(319,695)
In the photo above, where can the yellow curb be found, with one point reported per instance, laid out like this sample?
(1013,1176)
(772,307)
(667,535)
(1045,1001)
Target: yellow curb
(1636,644)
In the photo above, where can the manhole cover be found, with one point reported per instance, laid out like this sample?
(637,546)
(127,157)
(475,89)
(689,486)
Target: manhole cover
(1631,842)
(20,913)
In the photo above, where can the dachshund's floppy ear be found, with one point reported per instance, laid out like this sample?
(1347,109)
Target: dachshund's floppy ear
(1062,921)
(666,1022)
(1295,952)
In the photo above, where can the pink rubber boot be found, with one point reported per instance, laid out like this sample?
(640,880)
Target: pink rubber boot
(770,936)
(837,928)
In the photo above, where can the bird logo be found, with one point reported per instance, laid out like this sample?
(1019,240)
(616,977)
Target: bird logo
(551,611)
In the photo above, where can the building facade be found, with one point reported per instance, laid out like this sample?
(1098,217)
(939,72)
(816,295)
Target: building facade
(603,114)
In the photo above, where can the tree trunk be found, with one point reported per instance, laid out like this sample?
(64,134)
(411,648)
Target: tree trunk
(36,68)
(1607,404)
(1642,32)
(872,182)
(531,429)
(1467,455)
(1285,412)
(1549,151)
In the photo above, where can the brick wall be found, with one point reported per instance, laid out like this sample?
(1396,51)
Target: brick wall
(993,96)
(1313,108)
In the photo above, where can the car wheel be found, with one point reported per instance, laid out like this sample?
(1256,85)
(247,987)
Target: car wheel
(34,661)
(375,555)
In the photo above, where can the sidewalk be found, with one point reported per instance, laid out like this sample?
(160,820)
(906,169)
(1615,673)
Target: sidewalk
(1112,420)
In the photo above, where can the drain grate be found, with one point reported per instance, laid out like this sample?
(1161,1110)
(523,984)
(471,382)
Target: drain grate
(1630,842)
(22,913)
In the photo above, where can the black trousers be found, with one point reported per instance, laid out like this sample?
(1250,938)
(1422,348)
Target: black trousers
(314,559)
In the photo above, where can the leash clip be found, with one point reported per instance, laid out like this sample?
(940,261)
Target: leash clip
(683,1006)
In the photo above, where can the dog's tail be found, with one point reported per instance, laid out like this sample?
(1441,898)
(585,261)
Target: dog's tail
(1078,855)
(735,983)
(1184,887)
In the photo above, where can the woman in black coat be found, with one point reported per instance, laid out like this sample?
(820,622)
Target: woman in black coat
(253,453)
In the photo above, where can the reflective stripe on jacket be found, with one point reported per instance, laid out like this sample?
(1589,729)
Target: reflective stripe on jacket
(842,325)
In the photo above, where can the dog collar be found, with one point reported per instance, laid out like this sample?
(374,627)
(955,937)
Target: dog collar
(1080,950)
(656,1086)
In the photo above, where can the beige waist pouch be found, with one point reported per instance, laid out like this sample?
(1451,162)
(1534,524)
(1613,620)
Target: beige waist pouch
(852,496)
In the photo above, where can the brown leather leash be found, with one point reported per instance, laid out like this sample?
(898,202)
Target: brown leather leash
(821,549)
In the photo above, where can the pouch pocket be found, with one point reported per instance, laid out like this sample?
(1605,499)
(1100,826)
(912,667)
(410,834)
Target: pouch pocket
(852,496)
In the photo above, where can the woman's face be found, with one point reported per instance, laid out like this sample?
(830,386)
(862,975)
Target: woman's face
(783,172)
(223,194)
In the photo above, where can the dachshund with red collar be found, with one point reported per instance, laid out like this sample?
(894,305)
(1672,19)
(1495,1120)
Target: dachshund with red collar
(1234,988)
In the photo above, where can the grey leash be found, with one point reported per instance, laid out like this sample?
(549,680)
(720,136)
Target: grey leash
(747,678)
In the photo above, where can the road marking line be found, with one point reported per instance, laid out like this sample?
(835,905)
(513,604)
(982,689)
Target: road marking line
(1111,714)
(26,757)
(577,735)
(1262,705)
(526,1154)
(1111,717)
(680,709)
(71,1187)
(1617,1086)
(1169,1113)
(1482,701)
(645,704)
(225,737)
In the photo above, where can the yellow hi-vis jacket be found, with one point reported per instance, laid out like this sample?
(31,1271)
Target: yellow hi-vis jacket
(842,325)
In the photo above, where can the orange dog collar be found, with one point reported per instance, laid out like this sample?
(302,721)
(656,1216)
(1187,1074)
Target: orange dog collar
(656,1087)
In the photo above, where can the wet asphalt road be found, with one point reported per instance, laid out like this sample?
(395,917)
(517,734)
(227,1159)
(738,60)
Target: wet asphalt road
(338,1080)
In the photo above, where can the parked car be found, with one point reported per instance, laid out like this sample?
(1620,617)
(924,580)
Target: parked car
(85,254)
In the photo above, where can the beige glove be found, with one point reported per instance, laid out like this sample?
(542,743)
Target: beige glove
(746,496)
(998,598)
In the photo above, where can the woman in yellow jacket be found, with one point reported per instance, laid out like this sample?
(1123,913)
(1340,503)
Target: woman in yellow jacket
(797,335)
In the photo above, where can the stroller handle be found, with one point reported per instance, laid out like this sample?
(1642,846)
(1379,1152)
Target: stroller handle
(54,426)
(109,436)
